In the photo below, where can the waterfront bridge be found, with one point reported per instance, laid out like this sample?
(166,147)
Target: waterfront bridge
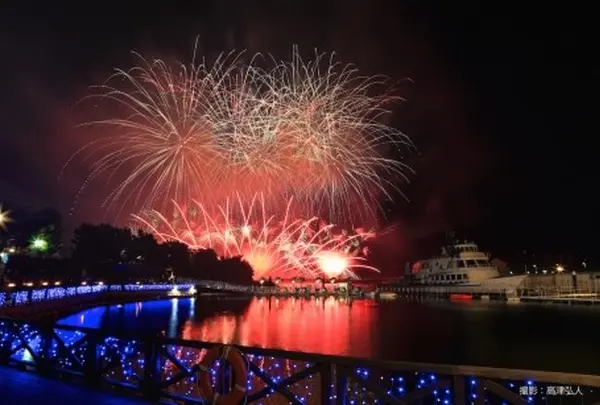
(52,303)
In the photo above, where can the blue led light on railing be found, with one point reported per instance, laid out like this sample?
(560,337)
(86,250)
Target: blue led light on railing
(68,352)
(38,295)
(19,297)
(55,293)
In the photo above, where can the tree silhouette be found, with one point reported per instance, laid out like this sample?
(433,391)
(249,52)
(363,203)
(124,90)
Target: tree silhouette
(24,268)
(177,257)
(142,248)
(113,254)
(236,270)
(206,265)
(98,248)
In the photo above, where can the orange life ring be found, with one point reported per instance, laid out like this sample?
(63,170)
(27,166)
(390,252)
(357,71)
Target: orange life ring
(234,357)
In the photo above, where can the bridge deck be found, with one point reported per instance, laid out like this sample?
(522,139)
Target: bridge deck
(23,388)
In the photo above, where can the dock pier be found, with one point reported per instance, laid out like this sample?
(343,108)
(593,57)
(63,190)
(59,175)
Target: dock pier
(450,293)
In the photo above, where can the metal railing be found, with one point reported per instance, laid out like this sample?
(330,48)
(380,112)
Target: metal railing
(161,368)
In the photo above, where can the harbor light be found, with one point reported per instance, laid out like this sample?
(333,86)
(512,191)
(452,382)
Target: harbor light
(100,282)
(174,291)
(262,281)
(57,283)
(192,290)
(84,283)
(39,244)
(560,268)
(28,284)
(4,217)
(11,285)
(44,283)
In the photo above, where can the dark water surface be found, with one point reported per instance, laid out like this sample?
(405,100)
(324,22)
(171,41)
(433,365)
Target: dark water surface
(554,338)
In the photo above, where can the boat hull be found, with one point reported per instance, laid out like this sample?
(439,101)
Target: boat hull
(500,285)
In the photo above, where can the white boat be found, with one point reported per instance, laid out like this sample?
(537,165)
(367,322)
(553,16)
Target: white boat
(462,265)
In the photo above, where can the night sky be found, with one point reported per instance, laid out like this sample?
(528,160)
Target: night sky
(498,105)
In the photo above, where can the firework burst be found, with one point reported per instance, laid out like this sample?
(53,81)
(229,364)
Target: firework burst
(274,246)
(307,130)
(330,136)
(162,137)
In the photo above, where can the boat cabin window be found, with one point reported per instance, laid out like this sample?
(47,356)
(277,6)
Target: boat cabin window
(471,263)
(483,263)
(460,263)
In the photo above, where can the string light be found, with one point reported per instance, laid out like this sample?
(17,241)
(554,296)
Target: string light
(123,361)
(20,297)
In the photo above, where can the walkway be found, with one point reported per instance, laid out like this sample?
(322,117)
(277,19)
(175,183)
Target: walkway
(23,388)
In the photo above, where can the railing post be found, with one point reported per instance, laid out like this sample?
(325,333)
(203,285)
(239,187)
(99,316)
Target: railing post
(341,386)
(326,381)
(458,388)
(92,365)
(152,370)
(46,344)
